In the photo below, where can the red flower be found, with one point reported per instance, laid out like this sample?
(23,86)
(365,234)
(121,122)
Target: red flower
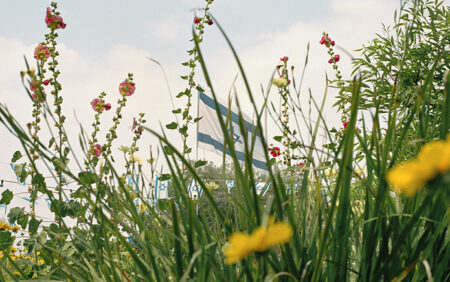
(196,20)
(127,88)
(345,124)
(325,40)
(54,20)
(284,59)
(279,66)
(275,151)
(210,22)
(96,150)
(41,52)
(336,58)
(46,82)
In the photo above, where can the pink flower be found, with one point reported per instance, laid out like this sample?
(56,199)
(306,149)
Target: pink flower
(41,52)
(345,124)
(96,150)
(284,59)
(325,40)
(99,105)
(39,96)
(210,22)
(196,20)
(279,66)
(127,88)
(34,85)
(46,82)
(134,126)
(275,151)
(53,20)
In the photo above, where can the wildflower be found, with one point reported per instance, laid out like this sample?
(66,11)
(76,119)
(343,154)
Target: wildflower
(53,20)
(134,127)
(124,149)
(408,177)
(211,185)
(284,59)
(46,82)
(15,228)
(210,22)
(41,52)
(241,245)
(325,40)
(280,82)
(335,59)
(345,124)
(275,151)
(127,88)
(40,262)
(99,105)
(196,20)
(135,159)
(96,150)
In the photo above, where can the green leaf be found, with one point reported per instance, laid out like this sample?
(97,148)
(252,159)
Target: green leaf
(164,177)
(197,119)
(34,225)
(14,214)
(177,111)
(172,125)
(271,162)
(200,163)
(23,221)
(50,143)
(277,138)
(6,241)
(199,89)
(167,150)
(87,177)
(6,197)
(16,156)
(39,182)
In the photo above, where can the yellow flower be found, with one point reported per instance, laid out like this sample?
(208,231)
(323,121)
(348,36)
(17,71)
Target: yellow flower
(279,82)
(211,185)
(262,238)
(239,247)
(40,262)
(135,159)
(16,273)
(142,207)
(408,177)
(15,228)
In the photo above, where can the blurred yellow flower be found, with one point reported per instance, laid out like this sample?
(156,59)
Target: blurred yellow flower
(211,185)
(279,82)
(408,177)
(241,245)
(135,159)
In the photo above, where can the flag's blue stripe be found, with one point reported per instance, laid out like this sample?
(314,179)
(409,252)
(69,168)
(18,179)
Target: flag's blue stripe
(205,138)
(224,110)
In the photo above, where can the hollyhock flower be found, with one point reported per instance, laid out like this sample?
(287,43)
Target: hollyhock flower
(300,165)
(284,59)
(336,58)
(39,96)
(52,19)
(127,88)
(134,126)
(196,20)
(275,151)
(41,52)
(96,150)
(210,22)
(345,124)
(46,82)
(325,40)
(99,105)
(279,66)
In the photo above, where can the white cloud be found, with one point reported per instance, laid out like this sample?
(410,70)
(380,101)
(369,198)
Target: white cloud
(167,30)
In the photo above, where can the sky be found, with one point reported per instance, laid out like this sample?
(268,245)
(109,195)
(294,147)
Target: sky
(105,40)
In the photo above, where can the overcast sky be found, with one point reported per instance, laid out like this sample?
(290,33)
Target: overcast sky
(104,40)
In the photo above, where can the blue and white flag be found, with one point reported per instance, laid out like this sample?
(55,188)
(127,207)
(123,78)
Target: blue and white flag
(161,189)
(211,137)
(195,190)
(230,184)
